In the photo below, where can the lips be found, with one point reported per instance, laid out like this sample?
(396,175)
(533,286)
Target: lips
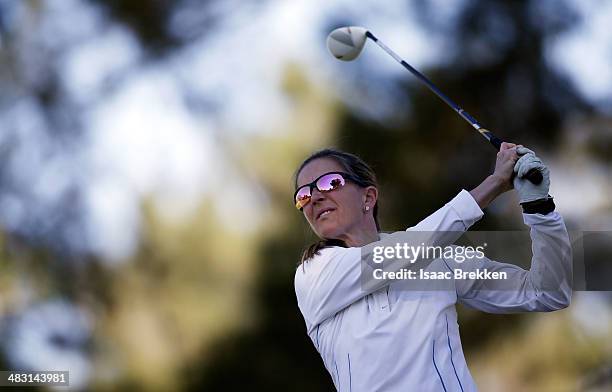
(324,212)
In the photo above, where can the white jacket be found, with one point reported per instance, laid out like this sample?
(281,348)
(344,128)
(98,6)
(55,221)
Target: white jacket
(405,340)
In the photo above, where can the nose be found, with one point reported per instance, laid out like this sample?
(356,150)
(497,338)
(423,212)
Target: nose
(316,196)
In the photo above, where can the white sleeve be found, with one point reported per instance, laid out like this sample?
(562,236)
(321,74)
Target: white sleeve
(547,286)
(331,280)
(457,215)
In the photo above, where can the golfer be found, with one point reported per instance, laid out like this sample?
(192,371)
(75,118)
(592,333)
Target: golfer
(389,339)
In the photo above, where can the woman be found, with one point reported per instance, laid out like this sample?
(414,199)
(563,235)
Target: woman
(387,339)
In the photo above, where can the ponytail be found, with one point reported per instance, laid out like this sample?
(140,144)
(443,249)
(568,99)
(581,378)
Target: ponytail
(313,250)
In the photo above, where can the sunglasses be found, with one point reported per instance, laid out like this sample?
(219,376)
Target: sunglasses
(324,183)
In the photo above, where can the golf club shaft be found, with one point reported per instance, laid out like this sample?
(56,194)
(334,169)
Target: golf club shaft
(533,176)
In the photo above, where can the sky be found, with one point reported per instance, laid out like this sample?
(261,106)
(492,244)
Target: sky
(585,53)
(142,139)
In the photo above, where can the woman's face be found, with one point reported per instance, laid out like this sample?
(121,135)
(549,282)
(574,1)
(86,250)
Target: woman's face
(332,214)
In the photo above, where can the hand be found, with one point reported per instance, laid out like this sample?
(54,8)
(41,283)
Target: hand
(526,190)
(501,179)
(504,165)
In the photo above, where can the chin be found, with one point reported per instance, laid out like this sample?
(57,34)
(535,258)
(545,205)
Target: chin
(329,230)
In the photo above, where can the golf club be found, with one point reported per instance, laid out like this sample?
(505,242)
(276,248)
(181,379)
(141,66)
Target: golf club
(346,43)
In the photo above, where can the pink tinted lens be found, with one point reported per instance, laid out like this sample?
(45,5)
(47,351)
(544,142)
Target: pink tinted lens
(330,182)
(302,197)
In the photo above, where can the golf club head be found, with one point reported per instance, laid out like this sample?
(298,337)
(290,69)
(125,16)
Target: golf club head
(345,43)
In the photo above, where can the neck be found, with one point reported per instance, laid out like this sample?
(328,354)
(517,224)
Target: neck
(361,236)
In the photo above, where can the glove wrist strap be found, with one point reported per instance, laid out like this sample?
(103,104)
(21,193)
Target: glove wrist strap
(541,206)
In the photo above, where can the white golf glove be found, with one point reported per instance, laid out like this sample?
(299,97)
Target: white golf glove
(526,190)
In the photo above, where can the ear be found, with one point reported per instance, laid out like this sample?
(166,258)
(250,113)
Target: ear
(370,196)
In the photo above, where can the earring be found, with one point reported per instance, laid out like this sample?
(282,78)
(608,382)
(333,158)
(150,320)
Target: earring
(366,209)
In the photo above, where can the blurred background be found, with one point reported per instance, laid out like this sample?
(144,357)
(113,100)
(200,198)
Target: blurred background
(147,232)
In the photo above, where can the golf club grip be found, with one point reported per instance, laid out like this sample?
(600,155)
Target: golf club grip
(534,176)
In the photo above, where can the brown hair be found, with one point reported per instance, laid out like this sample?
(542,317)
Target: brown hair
(354,166)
